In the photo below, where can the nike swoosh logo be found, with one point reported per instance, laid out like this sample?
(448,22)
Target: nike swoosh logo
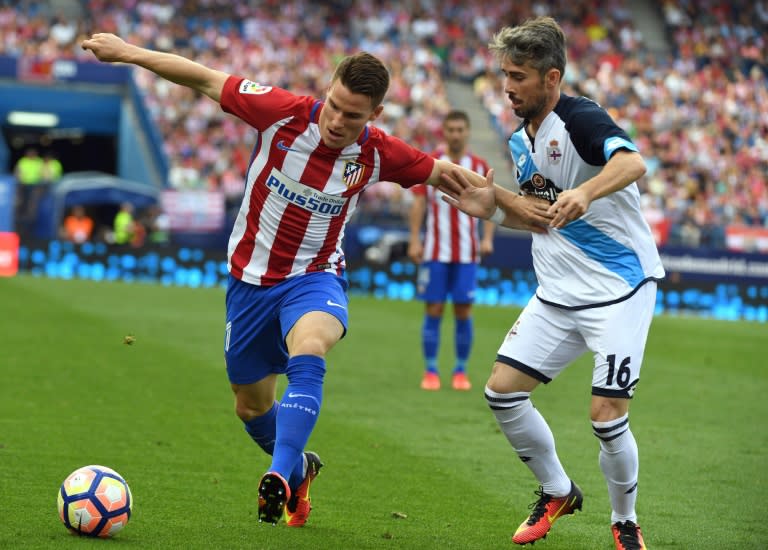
(283,147)
(551,518)
(334,304)
(292,395)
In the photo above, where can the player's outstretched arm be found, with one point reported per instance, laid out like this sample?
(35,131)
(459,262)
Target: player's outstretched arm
(113,49)
(492,202)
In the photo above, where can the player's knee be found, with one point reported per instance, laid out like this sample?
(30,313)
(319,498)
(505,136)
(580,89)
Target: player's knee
(462,312)
(245,413)
(248,409)
(605,409)
(435,309)
(311,346)
(506,379)
(314,334)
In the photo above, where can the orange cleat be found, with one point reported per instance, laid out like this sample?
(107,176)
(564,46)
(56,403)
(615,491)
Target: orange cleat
(627,536)
(545,511)
(460,382)
(299,505)
(273,494)
(430,382)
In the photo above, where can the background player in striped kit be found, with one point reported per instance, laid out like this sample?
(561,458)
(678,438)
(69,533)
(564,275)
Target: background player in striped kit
(286,301)
(448,254)
(597,268)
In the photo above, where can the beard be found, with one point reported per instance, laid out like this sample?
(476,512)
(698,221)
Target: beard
(455,149)
(533,109)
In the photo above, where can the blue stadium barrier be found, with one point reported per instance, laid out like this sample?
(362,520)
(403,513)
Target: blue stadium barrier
(393,280)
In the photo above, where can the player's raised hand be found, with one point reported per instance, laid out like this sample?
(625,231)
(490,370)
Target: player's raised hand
(479,202)
(527,213)
(107,47)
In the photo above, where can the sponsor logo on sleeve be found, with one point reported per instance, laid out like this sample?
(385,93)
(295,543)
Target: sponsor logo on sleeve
(250,87)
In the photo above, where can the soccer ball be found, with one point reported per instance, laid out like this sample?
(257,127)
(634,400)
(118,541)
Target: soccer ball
(95,501)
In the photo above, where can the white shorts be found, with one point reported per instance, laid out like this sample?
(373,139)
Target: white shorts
(546,339)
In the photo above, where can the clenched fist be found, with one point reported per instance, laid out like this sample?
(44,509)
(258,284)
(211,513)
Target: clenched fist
(107,47)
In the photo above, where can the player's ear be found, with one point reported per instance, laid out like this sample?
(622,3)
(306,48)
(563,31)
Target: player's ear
(376,112)
(553,77)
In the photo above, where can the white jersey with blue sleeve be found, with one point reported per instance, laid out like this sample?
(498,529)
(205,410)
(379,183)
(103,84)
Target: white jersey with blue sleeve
(607,254)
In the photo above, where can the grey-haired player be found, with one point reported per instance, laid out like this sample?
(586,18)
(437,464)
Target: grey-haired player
(597,268)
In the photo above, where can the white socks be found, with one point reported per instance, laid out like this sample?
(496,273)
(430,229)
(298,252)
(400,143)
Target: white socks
(531,438)
(620,465)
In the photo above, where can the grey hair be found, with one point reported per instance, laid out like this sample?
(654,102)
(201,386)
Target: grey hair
(539,42)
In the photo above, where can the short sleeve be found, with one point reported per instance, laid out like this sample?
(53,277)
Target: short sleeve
(404,164)
(261,106)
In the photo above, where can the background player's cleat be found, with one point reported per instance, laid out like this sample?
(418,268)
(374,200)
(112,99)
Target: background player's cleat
(298,506)
(460,382)
(544,513)
(273,495)
(627,536)
(430,382)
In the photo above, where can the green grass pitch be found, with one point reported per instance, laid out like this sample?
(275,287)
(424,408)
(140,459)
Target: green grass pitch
(404,468)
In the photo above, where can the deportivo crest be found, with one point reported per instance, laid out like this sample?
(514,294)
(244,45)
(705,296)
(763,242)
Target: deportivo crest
(553,152)
(249,87)
(353,173)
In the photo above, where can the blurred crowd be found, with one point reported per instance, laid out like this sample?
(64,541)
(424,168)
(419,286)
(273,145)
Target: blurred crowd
(698,112)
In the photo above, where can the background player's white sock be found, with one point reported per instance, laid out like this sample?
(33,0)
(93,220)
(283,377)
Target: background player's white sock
(531,438)
(620,465)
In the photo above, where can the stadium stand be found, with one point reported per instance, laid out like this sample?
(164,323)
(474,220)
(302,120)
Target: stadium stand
(698,113)
(695,104)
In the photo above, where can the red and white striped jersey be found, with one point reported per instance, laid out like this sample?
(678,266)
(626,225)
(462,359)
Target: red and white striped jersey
(451,235)
(299,193)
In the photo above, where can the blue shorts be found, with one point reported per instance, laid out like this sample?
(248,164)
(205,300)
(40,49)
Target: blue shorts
(438,280)
(259,318)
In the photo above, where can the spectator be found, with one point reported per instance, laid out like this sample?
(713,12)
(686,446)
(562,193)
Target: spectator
(29,176)
(52,169)
(78,226)
(158,225)
(124,225)
(697,111)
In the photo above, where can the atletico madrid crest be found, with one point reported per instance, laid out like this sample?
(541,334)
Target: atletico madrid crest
(353,173)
